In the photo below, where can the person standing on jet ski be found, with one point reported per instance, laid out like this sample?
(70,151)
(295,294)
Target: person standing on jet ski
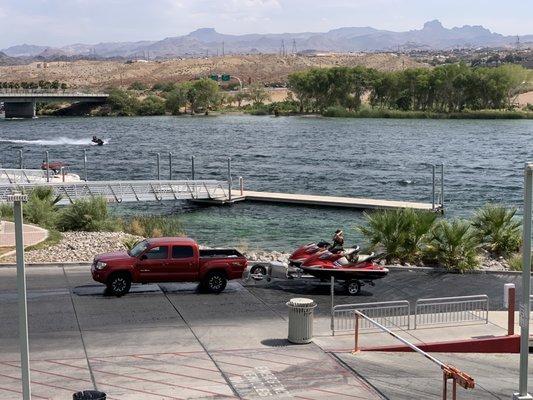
(338,241)
(98,141)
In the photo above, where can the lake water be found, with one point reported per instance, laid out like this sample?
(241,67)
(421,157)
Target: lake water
(375,158)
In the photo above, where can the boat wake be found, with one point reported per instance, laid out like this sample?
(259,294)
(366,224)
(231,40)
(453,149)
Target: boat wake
(60,141)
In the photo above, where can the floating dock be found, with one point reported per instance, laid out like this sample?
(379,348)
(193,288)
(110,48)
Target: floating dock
(322,201)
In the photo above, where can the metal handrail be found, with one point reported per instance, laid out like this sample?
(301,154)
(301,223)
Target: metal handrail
(392,313)
(443,310)
(448,371)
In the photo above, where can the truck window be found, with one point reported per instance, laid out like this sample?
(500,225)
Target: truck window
(182,252)
(157,253)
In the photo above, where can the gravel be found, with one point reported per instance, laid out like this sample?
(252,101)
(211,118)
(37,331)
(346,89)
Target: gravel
(83,246)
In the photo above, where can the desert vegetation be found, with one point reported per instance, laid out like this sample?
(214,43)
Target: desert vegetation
(408,236)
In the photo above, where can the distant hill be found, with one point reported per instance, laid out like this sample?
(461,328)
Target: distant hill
(433,35)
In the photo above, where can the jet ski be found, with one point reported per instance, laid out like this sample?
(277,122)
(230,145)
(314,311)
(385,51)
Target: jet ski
(97,141)
(302,253)
(348,266)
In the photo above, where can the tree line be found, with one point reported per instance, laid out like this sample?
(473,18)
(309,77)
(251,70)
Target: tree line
(446,88)
(42,84)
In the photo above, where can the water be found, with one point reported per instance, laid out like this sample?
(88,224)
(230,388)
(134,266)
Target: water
(375,158)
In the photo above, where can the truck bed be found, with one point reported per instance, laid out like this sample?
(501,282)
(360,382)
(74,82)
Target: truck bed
(226,253)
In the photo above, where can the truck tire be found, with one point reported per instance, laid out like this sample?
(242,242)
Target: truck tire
(215,282)
(119,284)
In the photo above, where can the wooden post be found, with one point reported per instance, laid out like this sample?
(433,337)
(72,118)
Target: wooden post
(510,311)
(356,334)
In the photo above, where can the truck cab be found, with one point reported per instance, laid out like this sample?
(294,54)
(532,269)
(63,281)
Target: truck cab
(170,259)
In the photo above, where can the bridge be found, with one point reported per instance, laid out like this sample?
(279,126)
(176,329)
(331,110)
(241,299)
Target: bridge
(21,103)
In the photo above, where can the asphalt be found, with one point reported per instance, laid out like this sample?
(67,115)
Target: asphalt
(169,341)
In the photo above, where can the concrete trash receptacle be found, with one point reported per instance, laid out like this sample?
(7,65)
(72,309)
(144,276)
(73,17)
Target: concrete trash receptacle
(89,395)
(301,320)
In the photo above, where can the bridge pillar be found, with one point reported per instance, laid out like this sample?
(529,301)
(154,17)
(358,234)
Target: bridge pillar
(20,110)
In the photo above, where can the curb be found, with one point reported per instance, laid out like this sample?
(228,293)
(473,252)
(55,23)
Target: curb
(445,271)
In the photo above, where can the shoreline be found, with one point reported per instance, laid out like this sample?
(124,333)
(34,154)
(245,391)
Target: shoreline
(79,248)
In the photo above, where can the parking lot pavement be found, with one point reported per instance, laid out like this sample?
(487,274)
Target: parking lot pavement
(162,341)
(407,376)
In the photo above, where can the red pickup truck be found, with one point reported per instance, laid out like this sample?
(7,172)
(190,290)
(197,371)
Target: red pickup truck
(170,259)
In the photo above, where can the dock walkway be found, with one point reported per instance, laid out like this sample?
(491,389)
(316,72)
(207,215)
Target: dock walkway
(324,201)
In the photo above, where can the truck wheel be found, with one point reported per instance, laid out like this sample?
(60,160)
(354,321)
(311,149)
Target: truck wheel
(119,284)
(215,282)
(353,288)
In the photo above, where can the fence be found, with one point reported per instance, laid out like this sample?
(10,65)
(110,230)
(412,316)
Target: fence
(388,313)
(445,310)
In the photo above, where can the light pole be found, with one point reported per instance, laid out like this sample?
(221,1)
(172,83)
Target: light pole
(17,200)
(526,286)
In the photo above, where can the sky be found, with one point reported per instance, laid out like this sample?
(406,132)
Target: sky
(61,22)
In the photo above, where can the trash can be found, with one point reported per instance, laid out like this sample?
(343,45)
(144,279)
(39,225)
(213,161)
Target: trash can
(301,320)
(89,395)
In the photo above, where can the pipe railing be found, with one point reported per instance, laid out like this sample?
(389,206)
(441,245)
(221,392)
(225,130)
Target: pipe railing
(449,372)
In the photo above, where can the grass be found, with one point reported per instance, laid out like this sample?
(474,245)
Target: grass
(367,112)
(154,226)
(54,237)
(89,215)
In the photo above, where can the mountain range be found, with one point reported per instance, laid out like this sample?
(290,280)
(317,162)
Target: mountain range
(432,36)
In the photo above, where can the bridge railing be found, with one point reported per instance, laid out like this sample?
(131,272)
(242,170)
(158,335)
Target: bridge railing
(125,191)
(48,92)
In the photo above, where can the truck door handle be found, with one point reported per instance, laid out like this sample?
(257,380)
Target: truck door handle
(145,270)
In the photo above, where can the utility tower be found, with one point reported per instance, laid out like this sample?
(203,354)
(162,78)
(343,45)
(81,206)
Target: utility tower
(223,53)
(517,42)
(294,50)
(282,51)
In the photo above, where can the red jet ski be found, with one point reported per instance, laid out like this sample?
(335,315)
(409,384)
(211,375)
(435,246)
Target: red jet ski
(349,267)
(306,251)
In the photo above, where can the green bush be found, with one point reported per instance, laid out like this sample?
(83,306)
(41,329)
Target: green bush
(154,226)
(497,229)
(87,215)
(138,86)
(152,105)
(6,211)
(401,234)
(515,262)
(454,245)
(122,103)
(41,208)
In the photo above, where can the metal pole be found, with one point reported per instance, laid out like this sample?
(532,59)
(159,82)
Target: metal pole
(332,293)
(229,179)
(85,163)
(20,160)
(47,155)
(158,166)
(23,312)
(433,187)
(356,334)
(169,165)
(526,285)
(192,168)
(442,186)
(241,185)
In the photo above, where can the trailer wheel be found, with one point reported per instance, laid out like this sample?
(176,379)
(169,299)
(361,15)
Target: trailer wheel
(119,284)
(216,282)
(353,288)
(258,272)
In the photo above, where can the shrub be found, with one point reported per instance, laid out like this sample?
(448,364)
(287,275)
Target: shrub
(454,245)
(87,215)
(122,102)
(130,242)
(401,234)
(6,211)
(154,226)
(515,262)
(138,86)
(152,105)
(497,229)
(41,208)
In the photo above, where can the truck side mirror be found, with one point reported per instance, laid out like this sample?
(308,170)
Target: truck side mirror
(143,257)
